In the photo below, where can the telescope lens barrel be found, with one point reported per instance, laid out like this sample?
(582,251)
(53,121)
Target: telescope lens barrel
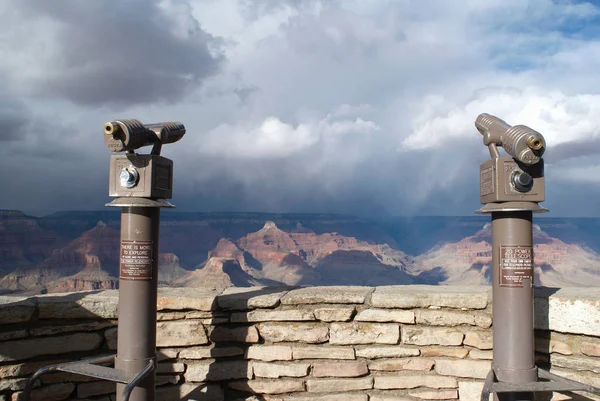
(168,132)
(131,134)
(488,123)
(521,142)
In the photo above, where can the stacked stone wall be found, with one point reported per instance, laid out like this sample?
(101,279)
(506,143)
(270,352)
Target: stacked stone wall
(305,344)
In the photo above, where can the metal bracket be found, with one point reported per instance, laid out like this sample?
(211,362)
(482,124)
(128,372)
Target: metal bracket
(92,367)
(553,383)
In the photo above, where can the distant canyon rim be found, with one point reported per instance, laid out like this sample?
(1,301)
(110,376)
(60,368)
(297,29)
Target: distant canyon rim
(75,251)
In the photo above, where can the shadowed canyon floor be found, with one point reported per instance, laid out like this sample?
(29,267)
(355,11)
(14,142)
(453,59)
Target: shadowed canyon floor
(72,251)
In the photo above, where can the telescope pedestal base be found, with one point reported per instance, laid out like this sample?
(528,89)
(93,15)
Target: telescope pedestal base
(93,367)
(551,382)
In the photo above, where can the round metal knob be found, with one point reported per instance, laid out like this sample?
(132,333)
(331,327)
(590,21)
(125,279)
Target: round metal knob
(128,177)
(522,181)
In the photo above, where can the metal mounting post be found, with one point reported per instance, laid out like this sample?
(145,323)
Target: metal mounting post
(140,184)
(510,189)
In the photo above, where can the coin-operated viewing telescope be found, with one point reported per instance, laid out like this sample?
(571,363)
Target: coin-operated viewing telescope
(141,175)
(510,189)
(141,185)
(516,178)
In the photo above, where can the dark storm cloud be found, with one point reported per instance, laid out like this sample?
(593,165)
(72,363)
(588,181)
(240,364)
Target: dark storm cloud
(13,120)
(123,52)
(571,150)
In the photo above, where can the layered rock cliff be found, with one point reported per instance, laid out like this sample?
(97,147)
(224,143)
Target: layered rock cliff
(469,260)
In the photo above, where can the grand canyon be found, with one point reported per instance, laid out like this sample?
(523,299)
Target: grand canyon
(74,251)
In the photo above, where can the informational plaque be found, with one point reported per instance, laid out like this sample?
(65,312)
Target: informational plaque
(136,260)
(516,264)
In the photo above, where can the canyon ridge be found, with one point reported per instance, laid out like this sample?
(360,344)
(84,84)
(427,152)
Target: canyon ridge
(76,251)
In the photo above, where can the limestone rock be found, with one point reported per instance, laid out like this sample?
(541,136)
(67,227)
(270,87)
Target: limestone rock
(111,338)
(244,298)
(439,317)
(12,384)
(421,296)
(471,391)
(170,315)
(180,333)
(13,335)
(274,370)
(451,352)
(90,389)
(340,369)
(181,298)
(25,349)
(386,397)
(312,333)
(478,354)
(402,364)
(383,315)
(590,348)
(165,379)
(57,329)
(339,385)
(291,315)
(334,314)
(580,363)
(98,305)
(331,397)
(211,370)
(191,391)
(59,391)
(431,336)
(267,386)
(240,334)
(582,377)
(374,352)
(167,353)
(25,369)
(552,345)
(322,352)
(364,333)
(327,295)
(463,368)
(414,381)
(177,367)
(568,310)
(479,339)
(209,352)
(270,352)
(15,309)
(434,394)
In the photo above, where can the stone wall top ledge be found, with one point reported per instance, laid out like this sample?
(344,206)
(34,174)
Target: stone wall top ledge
(551,303)
(425,296)
(328,295)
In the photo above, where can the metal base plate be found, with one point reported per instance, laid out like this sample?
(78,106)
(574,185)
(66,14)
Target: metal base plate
(93,368)
(552,383)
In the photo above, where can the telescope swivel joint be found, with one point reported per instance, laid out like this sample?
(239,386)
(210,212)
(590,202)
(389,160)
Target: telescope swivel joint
(521,142)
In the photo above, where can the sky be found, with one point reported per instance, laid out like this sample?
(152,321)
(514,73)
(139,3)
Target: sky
(363,107)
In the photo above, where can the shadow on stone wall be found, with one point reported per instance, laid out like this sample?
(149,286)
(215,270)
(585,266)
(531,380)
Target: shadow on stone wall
(210,349)
(50,329)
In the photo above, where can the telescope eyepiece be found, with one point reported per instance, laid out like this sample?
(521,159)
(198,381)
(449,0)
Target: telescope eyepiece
(535,142)
(111,128)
